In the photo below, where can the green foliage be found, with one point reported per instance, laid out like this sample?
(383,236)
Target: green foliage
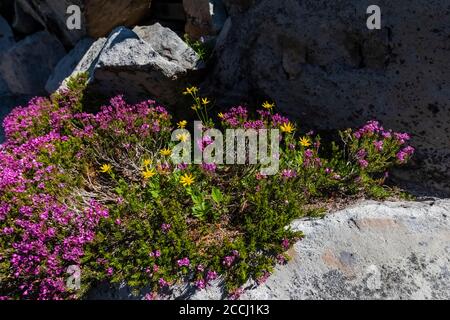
(169,223)
(203,49)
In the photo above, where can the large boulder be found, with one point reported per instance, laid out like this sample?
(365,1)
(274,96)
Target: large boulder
(6,42)
(370,251)
(204,17)
(26,66)
(320,63)
(6,36)
(98,18)
(154,65)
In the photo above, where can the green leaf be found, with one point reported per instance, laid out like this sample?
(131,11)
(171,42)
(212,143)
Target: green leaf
(217,195)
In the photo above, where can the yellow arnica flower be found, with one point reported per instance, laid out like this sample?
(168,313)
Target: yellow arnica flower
(165,152)
(186,180)
(106,168)
(147,162)
(305,142)
(191,90)
(268,106)
(221,115)
(182,124)
(148,173)
(287,127)
(205,101)
(183,137)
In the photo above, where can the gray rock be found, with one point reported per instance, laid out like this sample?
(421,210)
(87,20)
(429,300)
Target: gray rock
(204,17)
(26,19)
(6,42)
(67,65)
(168,44)
(238,6)
(127,64)
(26,67)
(51,15)
(98,17)
(6,36)
(317,58)
(392,250)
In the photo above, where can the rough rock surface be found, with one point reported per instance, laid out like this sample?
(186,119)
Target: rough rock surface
(372,250)
(128,64)
(237,6)
(67,65)
(6,42)
(98,18)
(6,36)
(316,58)
(26,66)
(48,14)
(204,17)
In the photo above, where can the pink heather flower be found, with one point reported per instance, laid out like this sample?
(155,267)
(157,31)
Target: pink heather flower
(263,278)
(183,262)
(285,244)
(51,232)
(119,200)
(328,170)
(155,268)
(288,173)
(228,261)
(165,227)
(204,142)
(363,163)
(162,283)
(372,127)
(402,138)
(8,231)
(308,154)
(110,271)
(235,253)
(155,253)
(118,222)
(405,153)
(236,294)
(150,296)
(200,268)
(260,176)
(361,154)
(200,284)
(281,259)
(378,145)
(182,166)
(211,275)
(210,167)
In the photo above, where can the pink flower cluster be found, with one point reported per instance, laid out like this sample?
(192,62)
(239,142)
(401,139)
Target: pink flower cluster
(238,117)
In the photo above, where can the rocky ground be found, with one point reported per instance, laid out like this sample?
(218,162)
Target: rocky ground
(371,250)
